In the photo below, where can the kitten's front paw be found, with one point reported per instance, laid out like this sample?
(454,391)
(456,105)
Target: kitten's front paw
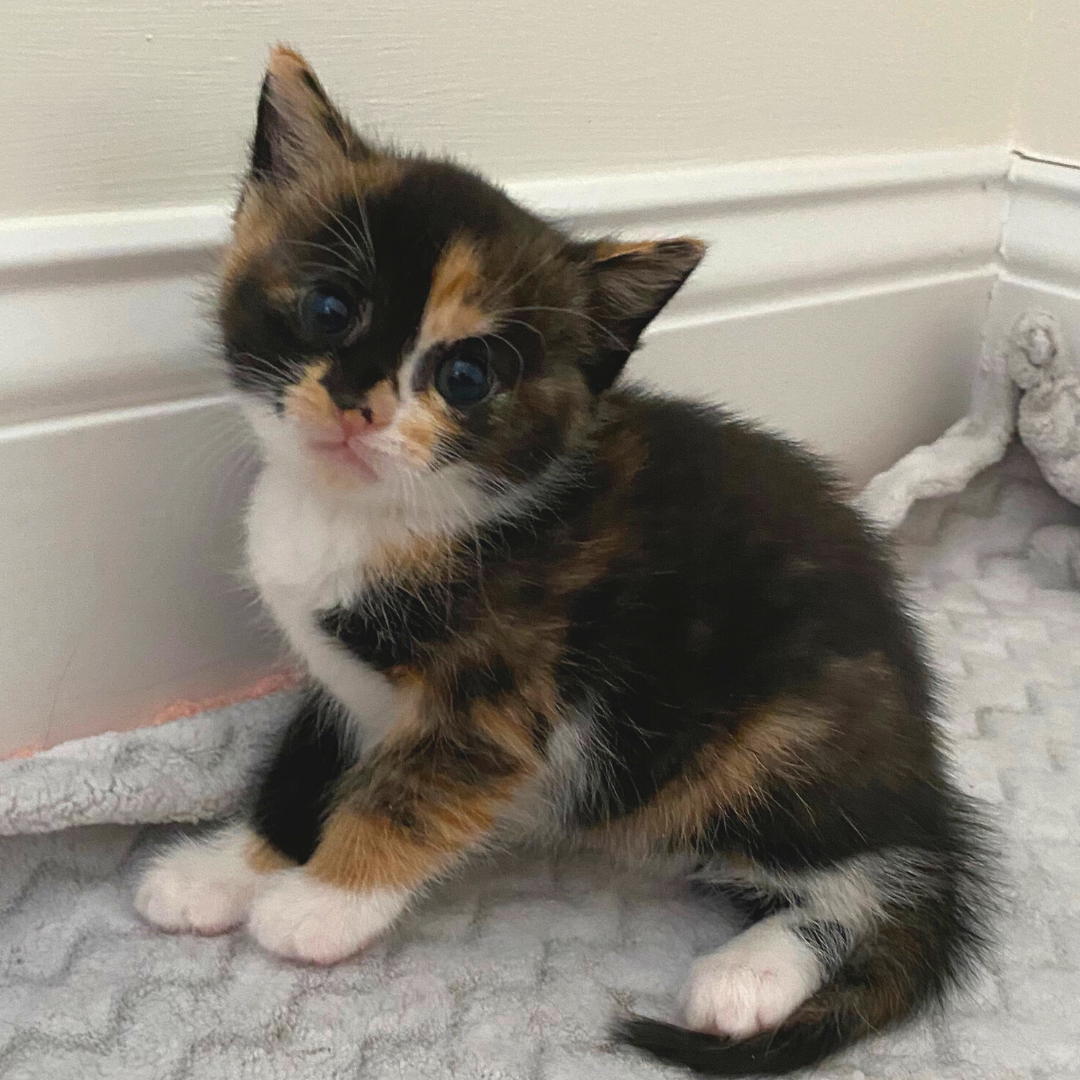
(204,887)
(302,918)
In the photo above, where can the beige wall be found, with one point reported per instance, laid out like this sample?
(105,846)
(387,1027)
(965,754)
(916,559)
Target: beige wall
(1048,109)
(144,102)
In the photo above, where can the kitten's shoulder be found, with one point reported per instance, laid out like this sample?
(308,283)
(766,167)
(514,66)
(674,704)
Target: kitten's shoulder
(696,443)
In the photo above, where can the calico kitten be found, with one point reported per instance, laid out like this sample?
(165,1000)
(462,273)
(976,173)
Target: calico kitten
(534,602)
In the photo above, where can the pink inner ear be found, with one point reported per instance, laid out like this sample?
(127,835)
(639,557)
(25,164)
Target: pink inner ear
(611,249)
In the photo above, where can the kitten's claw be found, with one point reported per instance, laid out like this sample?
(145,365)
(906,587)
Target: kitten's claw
(302,918)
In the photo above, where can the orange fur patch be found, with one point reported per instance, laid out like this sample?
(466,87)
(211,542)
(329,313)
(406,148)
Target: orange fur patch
(308,400)
(365,850)
(425,422)
(610,249)
(382,401)
(426,558)
(452,310)
(285,60)
(434,789)
(507,725)
(268,219)
(263,858)
(731,773)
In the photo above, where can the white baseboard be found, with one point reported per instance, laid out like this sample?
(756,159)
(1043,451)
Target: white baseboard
(1040,242)
(1039,261)
(842,299)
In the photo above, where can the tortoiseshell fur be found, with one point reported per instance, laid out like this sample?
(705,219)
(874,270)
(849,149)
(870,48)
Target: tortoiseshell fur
(576,611)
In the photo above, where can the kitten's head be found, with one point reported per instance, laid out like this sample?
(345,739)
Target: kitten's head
(390,318)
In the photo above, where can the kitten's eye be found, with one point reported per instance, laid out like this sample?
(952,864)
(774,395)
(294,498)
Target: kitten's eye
(327,313)
(463,378)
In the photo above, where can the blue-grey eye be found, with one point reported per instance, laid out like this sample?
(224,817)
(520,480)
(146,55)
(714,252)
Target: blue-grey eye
(327,313)
(463,378)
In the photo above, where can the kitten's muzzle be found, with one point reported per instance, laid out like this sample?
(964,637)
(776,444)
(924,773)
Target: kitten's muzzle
(345,440)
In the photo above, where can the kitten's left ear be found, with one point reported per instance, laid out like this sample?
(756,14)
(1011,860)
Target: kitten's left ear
(297,123)
(631,283)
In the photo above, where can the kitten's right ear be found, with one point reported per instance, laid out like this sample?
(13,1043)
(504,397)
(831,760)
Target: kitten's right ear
(298,125)
(630,283)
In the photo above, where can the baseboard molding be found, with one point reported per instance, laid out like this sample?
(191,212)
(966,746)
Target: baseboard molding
(1039,260)
(1040,244)
(109,310)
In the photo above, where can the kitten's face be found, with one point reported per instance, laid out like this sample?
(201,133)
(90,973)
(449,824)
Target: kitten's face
(391,317)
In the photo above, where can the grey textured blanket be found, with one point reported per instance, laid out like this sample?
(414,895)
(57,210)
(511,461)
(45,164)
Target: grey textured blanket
(186,770)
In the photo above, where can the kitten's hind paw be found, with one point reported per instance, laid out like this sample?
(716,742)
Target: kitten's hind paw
(752,984)
(302,918)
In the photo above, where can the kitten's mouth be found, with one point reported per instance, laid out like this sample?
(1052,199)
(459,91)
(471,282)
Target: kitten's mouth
(350,454)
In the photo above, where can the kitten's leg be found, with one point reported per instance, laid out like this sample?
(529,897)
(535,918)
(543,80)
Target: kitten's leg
(207,885)
(758,979)
(762,975)
(296,790)
(400,819)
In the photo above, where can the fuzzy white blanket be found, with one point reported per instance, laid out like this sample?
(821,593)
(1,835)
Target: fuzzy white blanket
(186,770)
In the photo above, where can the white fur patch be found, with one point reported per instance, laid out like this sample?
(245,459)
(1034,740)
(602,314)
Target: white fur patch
(753,983)
(302,918)
(205,887)
(542,808)
(309,546)
(854,892)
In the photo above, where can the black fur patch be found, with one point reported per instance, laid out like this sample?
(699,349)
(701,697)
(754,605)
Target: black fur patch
(262,162)
(298,785)
(831,941)
(739,591)
(772,1053)
(391,624)
(814,826)
(752,904)
(484,682)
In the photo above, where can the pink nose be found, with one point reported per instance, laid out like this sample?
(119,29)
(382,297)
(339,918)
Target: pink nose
(362,421)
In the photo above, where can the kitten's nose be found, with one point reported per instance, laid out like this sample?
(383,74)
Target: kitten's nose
(364,413)
(360,421)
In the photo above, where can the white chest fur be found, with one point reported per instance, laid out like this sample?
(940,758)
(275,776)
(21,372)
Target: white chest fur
(310,543)
(307,549)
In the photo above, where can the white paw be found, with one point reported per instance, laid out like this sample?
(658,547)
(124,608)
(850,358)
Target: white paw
(302,918)
(752,984)
(201,886)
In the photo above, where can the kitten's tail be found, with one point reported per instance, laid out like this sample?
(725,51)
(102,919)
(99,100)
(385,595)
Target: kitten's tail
(907,964)
(833,1018)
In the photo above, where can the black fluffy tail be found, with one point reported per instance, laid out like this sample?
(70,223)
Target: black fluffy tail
(822,1026)
(772,1053)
